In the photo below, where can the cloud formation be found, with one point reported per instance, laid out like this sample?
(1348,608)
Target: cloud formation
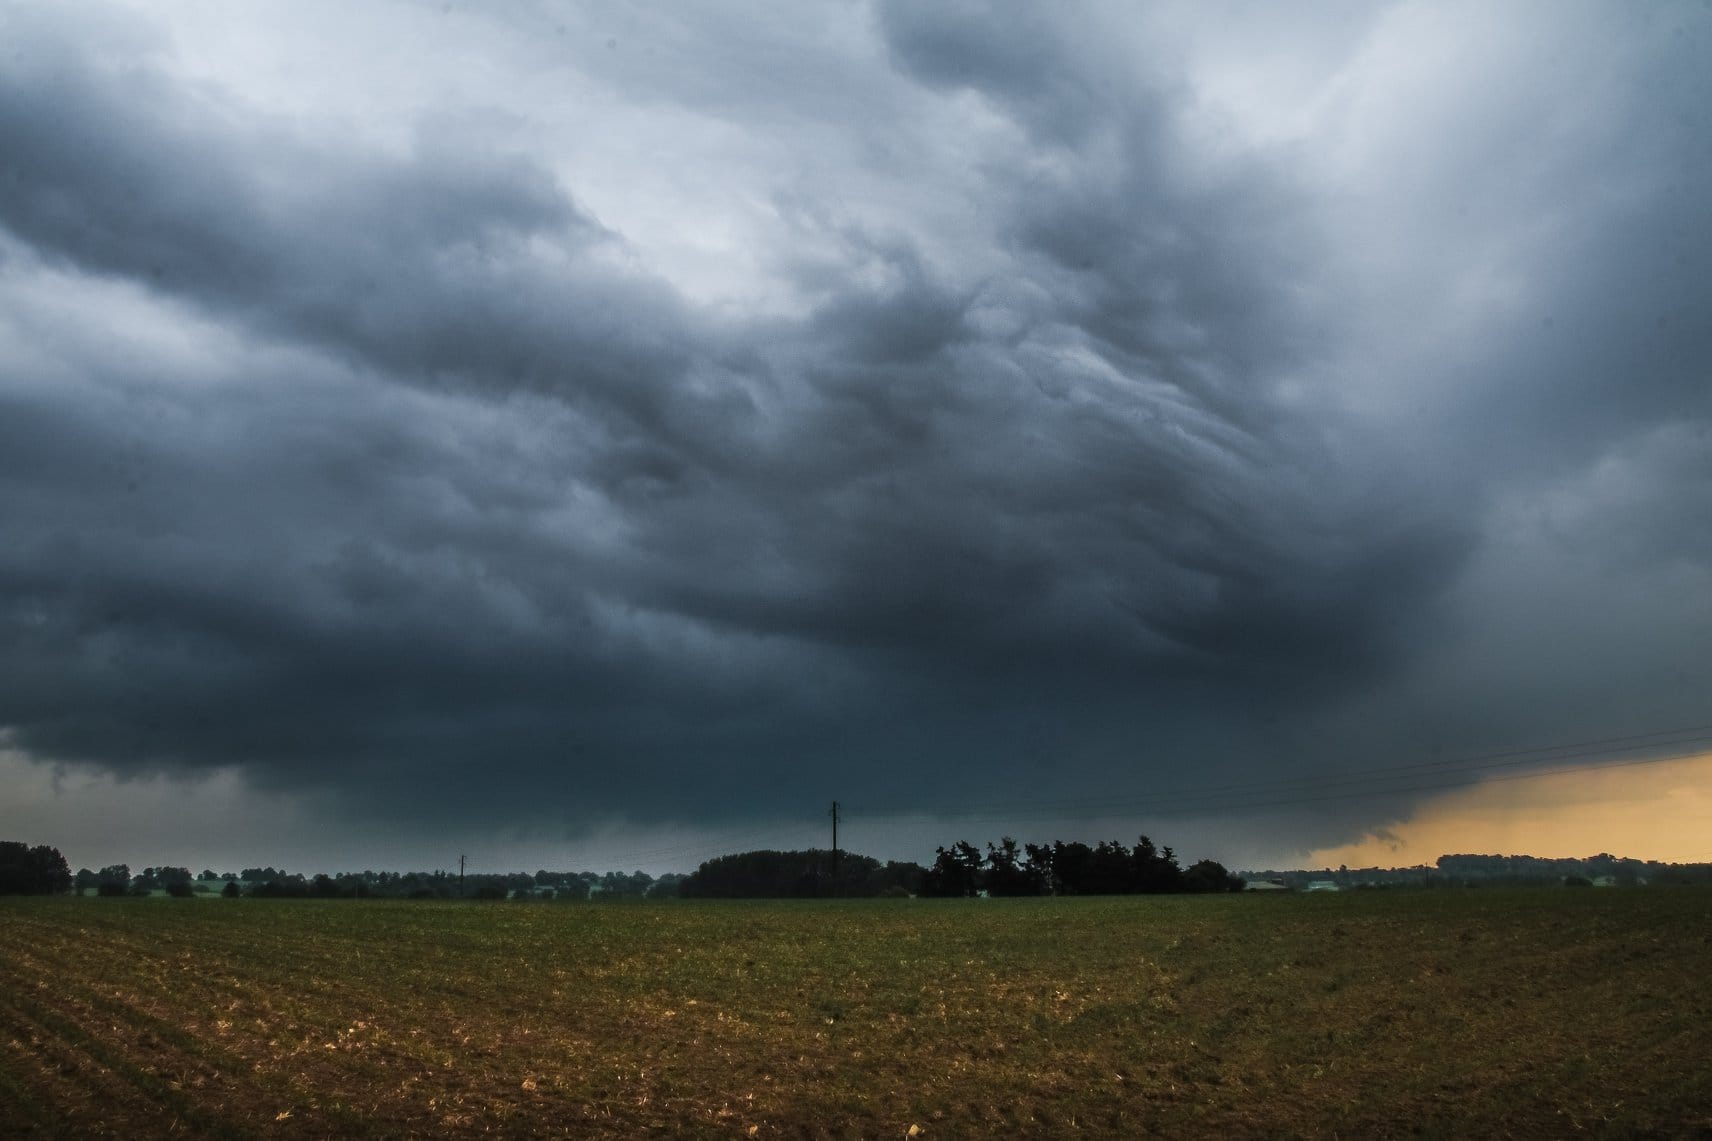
(687,416)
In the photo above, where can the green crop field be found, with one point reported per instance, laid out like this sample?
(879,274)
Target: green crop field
(1531,1013)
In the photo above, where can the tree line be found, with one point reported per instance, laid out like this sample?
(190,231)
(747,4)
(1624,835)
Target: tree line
(1005,869)
(42,870)
(1075,868)
(275,883)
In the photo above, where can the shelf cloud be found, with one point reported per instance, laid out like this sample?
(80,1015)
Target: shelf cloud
(547,416)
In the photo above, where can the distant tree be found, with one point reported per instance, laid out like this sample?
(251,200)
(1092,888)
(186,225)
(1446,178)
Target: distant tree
(956,872)
(113,880)
(799,874)
(1006,873)
(1154,870)
(1071,865)
(163,879)
(1037,865)
(282,886)
(181,889)
(666,886)
(231,890)
(763,874)
(1109,870)
(40,870)
(324,886)
(897,877)
(1210,876)
(618,885)
(354,885)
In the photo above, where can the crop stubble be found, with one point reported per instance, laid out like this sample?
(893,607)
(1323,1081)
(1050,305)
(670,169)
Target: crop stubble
(1527,1012)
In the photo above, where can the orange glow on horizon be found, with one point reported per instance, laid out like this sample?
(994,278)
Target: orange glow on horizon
(1660,811)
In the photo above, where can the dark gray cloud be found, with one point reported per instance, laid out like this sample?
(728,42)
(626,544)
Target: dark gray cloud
(1112,445)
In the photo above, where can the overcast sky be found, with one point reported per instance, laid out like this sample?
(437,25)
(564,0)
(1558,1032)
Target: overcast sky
(598,430)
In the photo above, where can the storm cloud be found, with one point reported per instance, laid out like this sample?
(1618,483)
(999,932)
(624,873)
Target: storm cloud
(556,415)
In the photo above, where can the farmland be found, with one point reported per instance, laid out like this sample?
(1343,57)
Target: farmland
(1526,1012)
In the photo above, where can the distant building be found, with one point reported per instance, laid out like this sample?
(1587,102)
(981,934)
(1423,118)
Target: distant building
(1322,885)
(1265,885)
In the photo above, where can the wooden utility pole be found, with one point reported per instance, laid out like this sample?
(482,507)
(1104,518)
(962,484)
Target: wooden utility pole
(460,877)
(834,815)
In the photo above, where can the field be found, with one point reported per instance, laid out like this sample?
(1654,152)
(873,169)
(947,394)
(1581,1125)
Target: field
(1544,1012)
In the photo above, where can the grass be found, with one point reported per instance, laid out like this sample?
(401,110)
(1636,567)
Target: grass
(1524,1013)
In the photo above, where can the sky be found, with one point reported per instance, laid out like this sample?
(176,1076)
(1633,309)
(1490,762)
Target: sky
(603,435)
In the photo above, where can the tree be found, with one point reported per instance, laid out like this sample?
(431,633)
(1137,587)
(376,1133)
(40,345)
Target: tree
(763,874)
(1109,870)
(114,879)
(1155,870)
(666,887)
(1070,867)
(1037,865)
(231,890)
(32,871)
(1006,873)
(282,887)
(165,878)
(1210,876)
(956,872)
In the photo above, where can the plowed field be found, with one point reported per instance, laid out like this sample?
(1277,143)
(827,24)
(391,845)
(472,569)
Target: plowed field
(1542,1013)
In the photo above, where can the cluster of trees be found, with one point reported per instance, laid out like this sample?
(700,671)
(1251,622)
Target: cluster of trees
(1107,868)
(1466,868)
(32,871)
(768,874)
(276,883)
(116,879)
(1475,870)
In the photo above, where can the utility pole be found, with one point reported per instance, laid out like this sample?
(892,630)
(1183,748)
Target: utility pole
(460,877)
(834,815)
